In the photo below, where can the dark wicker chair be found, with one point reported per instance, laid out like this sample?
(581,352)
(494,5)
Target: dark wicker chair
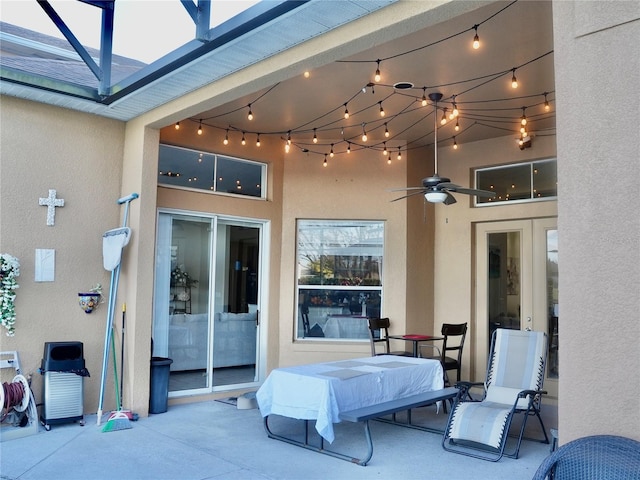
(598,457)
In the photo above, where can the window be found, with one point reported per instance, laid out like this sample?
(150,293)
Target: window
(182,167)
(339,277)
(522,182)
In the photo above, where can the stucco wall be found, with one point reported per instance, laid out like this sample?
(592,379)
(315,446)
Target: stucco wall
(597,63)
(79,156)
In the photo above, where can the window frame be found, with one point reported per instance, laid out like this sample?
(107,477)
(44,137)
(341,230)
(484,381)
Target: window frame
(342,294)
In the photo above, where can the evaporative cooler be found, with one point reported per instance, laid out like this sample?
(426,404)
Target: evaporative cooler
(64,370)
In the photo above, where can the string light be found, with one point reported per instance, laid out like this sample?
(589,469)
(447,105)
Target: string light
(289,137)
(243,141)
(386,130)
(324,164)
(389,160)
(349,147)
(364,134)
(384,152)
(514,80)
(399,154)
(200,128)
(177,126)
(476,38)
(331,152)
(226,138)
(523,119)
(258,140)
(287,147)
(315,137)
(455,144)
(377,76)
(382,114)
(547,107)
(455,111)
(424,96)
(250,114)
(346,111)
(443,120)
(457,127)
(307,74)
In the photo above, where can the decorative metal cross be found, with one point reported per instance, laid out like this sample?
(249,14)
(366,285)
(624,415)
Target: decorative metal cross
(51,202)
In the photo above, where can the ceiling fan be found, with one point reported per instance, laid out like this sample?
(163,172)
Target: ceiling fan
(437,189)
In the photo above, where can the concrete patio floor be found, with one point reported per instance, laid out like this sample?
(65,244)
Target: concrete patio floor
(215,440)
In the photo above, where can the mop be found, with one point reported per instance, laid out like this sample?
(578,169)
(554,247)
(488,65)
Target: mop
(113,241)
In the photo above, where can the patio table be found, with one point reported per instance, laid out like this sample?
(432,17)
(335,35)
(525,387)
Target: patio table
(321,391)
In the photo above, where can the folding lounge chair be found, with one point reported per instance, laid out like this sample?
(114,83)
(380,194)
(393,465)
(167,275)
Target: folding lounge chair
(514,385)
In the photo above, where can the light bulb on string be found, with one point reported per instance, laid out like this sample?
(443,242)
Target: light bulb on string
(384,152)
(457,127)
(455,112)
(315,137)
(386,131)
(377,76)
(389,160)
(289,137)
(443,120)
(547,107)
(324,164)
(364,134)
(455,144)
(523,119)
(250,114)
(200,128)
(287,147)
(399,154)
(243,141)
(346,111)
(424,96)
(382,114)
(177,126)
(258,140)
(349,147)
(514,80)
(331,152)
(226,138)
(476,38)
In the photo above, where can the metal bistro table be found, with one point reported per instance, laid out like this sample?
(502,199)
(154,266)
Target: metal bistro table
(321,391)
(416,339)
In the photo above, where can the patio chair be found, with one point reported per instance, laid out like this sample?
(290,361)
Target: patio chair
(515,375)
(606,457)
(454,335)
(379,333)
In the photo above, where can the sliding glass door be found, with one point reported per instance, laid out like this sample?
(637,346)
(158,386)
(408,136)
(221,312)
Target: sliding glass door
(206,302)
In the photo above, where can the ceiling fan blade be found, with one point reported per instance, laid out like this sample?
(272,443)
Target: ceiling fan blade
(421,192)
(452,187)
(404,189)
(477,193)
(450,200)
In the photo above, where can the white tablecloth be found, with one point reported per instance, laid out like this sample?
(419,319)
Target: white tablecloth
(320,391)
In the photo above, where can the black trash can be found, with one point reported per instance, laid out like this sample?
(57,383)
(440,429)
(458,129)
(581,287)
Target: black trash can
(63,368)
(159,394)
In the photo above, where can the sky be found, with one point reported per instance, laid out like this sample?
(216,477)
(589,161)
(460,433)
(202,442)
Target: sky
(144,30)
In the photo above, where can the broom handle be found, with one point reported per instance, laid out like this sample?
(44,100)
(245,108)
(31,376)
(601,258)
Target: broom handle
(115,367)
(124,309)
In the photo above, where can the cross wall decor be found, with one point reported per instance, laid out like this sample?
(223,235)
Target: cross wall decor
(51,203)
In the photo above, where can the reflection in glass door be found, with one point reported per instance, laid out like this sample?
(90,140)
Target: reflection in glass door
(206,301)
(517,286)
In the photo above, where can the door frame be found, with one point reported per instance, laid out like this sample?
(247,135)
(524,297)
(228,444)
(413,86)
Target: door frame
(533,308)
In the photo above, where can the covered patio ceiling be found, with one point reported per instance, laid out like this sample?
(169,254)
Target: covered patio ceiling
(434,53)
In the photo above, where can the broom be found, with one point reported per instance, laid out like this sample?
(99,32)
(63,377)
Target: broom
(118,420)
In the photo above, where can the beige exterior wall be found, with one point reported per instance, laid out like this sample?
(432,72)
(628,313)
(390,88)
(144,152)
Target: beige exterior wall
(79,156)
(597,64)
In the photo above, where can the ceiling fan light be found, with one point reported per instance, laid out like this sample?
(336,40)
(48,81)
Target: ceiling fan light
(436,197)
